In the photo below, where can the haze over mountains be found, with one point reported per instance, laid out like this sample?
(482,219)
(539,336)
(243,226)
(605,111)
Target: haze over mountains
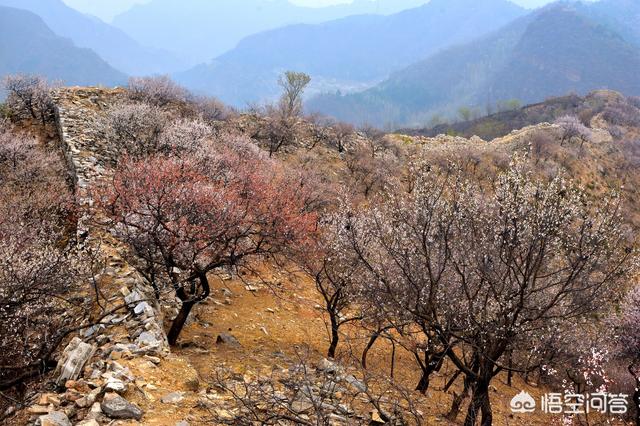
(392,62)
(113,45)
(27,44)
(345,53)
(562,48)
(200,30)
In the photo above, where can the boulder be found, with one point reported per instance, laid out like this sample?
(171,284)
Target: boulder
(54,418)
(73,359)
(116,407)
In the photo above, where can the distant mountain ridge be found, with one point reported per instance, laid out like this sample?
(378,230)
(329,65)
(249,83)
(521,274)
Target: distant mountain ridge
(550,52)
(201,30)
(28,46)
(352,51)
(112,44)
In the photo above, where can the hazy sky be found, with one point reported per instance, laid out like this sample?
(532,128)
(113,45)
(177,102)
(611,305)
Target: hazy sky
(107,9)
(314,3)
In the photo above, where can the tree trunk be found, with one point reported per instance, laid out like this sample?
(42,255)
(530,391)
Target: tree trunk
(423,384)
(636,402)
(365,352)
(178,323)
(510,372)
(335,337)
(392,373)
(432,363)
(480,404)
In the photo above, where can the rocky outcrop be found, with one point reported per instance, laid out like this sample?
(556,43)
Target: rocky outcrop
(91,380)
(89,157)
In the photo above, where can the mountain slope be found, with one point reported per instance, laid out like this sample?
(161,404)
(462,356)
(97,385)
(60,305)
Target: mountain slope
(622,16)
(348,52)
(27,45)
(105,10)
(549,52)
(110,43)
(204,29)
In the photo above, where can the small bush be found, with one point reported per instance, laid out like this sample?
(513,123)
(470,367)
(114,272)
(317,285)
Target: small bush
(29,96)
(622,115)
(212,109)
(158,90)
(572,128)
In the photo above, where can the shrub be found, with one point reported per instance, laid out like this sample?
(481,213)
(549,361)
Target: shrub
(134,129)
(40,272)
(572,128)
(157,90)
(622,115)
(29,96)
(212,109)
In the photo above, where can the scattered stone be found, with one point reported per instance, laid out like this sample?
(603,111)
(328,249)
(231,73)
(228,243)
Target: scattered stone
(172,398)
(143,307)
(55,418)
(182,423)
(148,339)
(9,411)
(133,297)
(224,414)
(115,385)
(328,366)
(38,409)
(90,422)
(116,407)
(73,359)
(227,339)
(94,412)
(376,419)
(355,383)
(153,359)
(91,330)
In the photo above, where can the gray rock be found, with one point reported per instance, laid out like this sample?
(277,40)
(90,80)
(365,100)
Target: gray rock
(227,339)
(172,398)
(116,407)
(133,297)
(328,367)
(55,418)
(355,383)
(143,307)
(73,359)
(182,423)
(115,385)
(148,339)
